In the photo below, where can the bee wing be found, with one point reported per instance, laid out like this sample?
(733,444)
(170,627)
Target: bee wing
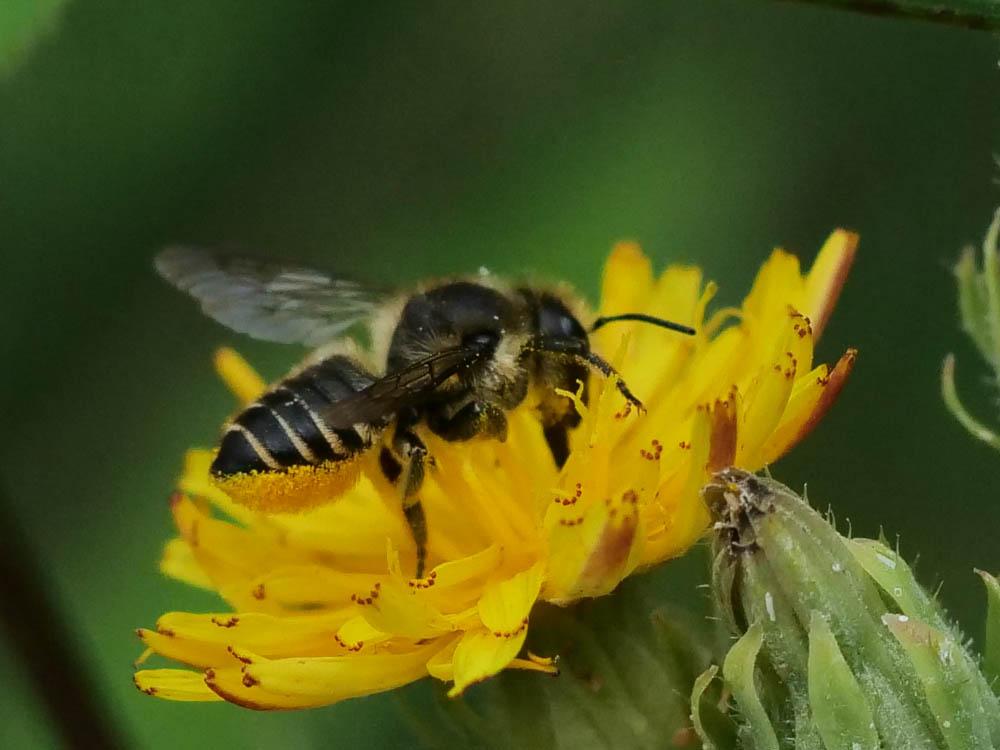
(410,386)
(268,300)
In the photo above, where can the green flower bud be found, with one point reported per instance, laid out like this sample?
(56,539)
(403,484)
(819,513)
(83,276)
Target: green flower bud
(839,646)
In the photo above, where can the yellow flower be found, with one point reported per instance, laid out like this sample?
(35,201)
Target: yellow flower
(321,607)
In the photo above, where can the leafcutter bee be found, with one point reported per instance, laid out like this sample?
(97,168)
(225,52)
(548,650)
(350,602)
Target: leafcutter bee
(455,356)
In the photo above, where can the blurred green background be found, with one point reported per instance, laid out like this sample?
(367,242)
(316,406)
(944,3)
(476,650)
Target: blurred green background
(398,141)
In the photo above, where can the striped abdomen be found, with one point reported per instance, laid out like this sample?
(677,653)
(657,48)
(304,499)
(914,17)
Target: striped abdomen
(285,427)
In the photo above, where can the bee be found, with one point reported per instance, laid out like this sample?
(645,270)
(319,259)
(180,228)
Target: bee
(455,356)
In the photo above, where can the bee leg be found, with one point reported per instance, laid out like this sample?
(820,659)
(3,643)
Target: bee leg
(557,437)
(404,465)
(473,419)
(417,521)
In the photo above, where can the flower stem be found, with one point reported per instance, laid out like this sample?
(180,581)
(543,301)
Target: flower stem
(970,14)
(37,633)
(975,428)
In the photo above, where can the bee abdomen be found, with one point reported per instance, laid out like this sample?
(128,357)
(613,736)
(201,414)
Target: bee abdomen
(285,427)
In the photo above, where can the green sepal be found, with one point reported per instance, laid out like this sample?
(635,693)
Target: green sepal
(714,728)
(947,676)
(895,578)
(756,731)
(991,654)
(839,707)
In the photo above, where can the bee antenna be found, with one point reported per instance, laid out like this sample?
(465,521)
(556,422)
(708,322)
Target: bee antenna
(643,318)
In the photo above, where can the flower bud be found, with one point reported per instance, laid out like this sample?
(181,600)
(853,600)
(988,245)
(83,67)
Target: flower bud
(839,646)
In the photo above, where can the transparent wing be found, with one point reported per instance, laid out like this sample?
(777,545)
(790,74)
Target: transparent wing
(268,300)
(411,386)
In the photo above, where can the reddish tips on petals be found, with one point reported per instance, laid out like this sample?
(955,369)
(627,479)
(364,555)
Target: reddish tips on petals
(722,440)
(832,385)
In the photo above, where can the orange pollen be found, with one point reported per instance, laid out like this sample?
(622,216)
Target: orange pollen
(423,583)
(236,656)
(230,622)
(258,591)
(511,633)
(352,648)
(372,595)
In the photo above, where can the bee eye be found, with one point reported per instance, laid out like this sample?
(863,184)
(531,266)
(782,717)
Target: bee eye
(483,340)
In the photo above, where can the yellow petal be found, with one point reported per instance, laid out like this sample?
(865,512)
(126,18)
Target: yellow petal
(685,517)
(827,276)
(174,685)
(505,605)
(268,635)
(503,611)
(809,409)
(393,607)
(239,376)
(778,284)
(191,651)
(627,279)
(277,684)
(481,654)
(179,562)
(590,553)
(223,550)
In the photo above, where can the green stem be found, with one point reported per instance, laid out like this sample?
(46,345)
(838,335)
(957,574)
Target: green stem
(975,428)
(970,14)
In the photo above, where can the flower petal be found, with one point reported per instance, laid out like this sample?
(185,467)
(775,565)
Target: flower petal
(503,611)
(481,654)
(827,276)
(275,684)
(807,408)
(239,376)
(178,561)
(174,685)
